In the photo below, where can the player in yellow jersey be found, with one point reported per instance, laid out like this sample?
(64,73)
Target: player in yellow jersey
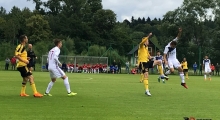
(145,63)
(185,67)
(23,60)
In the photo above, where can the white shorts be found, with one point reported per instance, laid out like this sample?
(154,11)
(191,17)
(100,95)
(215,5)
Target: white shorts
(56,72)
(208,70)
(174,63)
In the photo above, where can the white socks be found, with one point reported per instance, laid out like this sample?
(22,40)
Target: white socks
(205,76)
(182,77)
(67,85)
(50,85)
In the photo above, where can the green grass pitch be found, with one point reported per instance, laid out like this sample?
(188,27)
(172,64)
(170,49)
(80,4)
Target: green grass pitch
(110,97)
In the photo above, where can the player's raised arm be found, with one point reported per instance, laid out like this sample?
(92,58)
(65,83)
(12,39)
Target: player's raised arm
(145,39)
(179,34)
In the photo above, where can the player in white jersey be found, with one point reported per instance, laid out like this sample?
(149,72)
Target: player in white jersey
(171,60)
(207,67)
(54,69)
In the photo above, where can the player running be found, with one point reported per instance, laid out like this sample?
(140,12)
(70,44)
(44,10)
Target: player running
(185,67)
(54,69)
(145,63)
(21,55)
(159,58)
(206,67)
(171,60)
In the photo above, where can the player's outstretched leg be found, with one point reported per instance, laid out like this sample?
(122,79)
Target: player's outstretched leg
(183,83)
(160,69)
(67,85)
(49,87)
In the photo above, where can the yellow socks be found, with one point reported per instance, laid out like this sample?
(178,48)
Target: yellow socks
(146,83)
(142,77)
(187,77)
(23,88)
(160,69)
(34,88)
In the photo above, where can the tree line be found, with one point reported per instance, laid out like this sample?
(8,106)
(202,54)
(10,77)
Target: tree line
(88,29)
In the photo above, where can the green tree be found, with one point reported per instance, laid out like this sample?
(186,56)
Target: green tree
(104,21)
(2,24)
(38,28)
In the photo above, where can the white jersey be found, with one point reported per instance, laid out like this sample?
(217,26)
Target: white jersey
(206,63)
(171,52)
(53,56)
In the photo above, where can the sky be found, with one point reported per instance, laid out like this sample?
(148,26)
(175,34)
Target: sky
(124,9)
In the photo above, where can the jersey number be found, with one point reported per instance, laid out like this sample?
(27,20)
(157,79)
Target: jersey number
(51,55)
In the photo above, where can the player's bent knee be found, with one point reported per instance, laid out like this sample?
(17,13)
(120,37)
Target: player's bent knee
(64,77)
(157,62)
(53,79)
(171,70)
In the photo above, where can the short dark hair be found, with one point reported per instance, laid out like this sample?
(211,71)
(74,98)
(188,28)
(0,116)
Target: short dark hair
(158,51)
(173,43)
(57,41)
(22,37)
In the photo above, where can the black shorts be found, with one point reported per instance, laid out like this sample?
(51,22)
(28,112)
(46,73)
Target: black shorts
(31,64)
(24,71)
(185,70)
(146,65)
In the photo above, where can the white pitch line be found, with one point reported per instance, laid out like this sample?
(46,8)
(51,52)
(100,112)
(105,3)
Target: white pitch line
(88,78)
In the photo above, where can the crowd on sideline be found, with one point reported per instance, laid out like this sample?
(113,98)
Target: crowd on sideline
(83,68)
(114,68)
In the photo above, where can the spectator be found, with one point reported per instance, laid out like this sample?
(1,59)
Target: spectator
(77,67)
(217,69)
(116,69)
(119,66)
(105,68)
(127,67)
(195,68)
(85,70)
(7,61)
(114,63)
(13,63)
(100,68)
(64,67)
(133,71)
(213,69)
(89,68)
(112,69)
(200,69)
(47,66)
